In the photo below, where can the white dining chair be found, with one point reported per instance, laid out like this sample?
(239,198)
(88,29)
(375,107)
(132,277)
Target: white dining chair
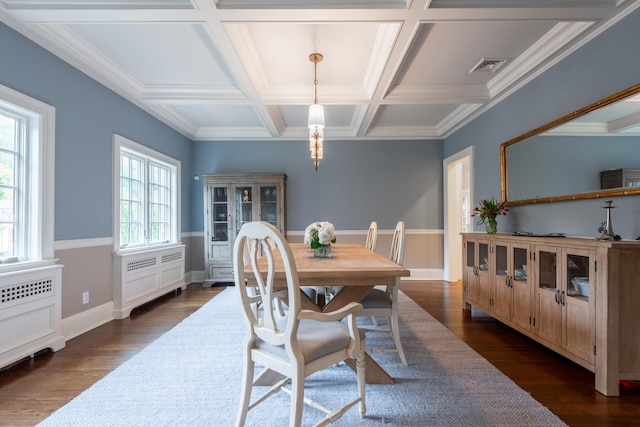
(370,243)
(384,302)
(298,344)
(279,296)
(372,236)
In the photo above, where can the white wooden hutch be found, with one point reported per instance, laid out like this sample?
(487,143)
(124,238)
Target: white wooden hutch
(230,201)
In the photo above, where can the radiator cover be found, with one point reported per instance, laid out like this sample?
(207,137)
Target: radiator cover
(143,276)
(30,312)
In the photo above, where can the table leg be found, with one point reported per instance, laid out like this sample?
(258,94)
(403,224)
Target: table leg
(346,295)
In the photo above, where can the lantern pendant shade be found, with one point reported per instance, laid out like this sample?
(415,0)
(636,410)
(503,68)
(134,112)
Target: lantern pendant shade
(313,133)
(316,116)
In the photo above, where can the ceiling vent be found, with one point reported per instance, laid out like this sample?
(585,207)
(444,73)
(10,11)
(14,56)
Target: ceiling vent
(489,65)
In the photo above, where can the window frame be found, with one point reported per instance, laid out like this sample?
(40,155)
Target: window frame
(38,179)
(150,156)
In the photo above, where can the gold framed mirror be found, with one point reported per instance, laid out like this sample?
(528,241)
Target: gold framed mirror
(593,152)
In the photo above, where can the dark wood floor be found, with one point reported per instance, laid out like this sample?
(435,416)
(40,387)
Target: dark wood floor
(31,390)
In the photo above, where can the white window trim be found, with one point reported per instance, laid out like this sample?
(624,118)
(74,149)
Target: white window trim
(42,179)
(120,142)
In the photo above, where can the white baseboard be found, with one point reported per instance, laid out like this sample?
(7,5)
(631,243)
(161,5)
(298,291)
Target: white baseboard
(194,276)
(425,274)
(90,319)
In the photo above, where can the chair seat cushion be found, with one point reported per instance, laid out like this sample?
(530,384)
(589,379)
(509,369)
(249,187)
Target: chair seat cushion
(316,339)
(376,298)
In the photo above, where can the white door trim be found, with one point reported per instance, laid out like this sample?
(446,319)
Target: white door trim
(452,255)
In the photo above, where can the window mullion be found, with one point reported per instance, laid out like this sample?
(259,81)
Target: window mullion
(147,198)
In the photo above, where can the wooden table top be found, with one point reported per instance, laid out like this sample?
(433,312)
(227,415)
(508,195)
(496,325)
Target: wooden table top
(350,264)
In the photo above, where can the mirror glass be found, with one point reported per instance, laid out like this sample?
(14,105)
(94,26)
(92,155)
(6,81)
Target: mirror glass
(593,152)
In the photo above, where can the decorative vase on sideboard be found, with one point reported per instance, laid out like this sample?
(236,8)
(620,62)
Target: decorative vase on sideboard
(492,225)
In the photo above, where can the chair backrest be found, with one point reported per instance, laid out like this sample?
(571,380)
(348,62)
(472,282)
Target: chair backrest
(262,246)
(397,244)
(372,236)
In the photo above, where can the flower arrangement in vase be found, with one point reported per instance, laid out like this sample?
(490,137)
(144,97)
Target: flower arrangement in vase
(320,235)
(487,211)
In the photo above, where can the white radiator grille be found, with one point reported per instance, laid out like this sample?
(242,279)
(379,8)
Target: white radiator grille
(25,290)
(141,263)
(171,257)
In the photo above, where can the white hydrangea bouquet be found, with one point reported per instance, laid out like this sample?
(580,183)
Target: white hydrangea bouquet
(319,234)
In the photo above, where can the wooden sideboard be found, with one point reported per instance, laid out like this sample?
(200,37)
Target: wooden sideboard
(577,296)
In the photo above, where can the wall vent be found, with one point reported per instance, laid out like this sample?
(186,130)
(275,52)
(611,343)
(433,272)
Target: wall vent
(141,263)
(171,257)
(488,65)
(25,290)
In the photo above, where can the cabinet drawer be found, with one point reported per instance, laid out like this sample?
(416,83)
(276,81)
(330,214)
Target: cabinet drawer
(221,273)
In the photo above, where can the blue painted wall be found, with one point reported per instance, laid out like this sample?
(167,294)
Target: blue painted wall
(87,115)
(357,181)
(605,65)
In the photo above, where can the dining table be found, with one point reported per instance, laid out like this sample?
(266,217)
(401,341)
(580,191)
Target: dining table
(352,268)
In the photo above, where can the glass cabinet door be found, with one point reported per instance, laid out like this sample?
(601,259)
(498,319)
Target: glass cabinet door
(471,254)
(520,258)
(548,324)
(484,256)
(503,294)
(578,276)
(244,206)
(547,268)
(522,298)
(501,261)
(220,216)
(269,204)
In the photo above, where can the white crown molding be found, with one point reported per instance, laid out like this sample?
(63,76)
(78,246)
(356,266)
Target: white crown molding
(558,37)
(193,94)
(456,116)
(403,132)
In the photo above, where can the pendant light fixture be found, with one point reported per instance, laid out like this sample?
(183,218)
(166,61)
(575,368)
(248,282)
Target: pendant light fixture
(316,116)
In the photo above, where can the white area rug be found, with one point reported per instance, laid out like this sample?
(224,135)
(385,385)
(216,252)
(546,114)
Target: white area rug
(191,377)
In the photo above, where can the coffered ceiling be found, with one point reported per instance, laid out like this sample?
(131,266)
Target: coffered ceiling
(240,69)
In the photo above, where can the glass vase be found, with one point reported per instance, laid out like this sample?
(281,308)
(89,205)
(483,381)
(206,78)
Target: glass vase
(492,225)
(323,251)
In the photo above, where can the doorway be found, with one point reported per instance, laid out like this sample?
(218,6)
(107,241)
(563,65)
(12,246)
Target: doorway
(458,194)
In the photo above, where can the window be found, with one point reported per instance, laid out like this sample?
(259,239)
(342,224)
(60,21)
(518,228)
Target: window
(147,195)
(11,166)
(27,129)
